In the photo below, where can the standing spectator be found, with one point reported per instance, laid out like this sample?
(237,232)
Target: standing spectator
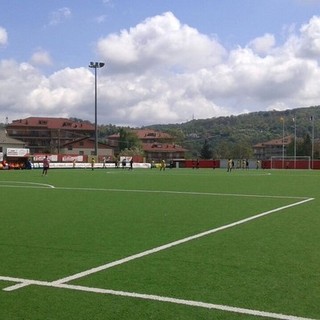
(92,164)
(124,163)
(104,162)
(198,163)
(46,165)
(163,165)
(131,164)
(258,166)
(229,165)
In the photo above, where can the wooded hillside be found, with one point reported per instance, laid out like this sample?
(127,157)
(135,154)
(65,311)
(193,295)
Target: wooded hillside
(234,136)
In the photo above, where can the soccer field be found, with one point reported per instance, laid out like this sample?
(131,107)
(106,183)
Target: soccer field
(150,244)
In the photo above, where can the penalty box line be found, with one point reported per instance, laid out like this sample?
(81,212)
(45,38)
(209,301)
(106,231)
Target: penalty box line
(158,249)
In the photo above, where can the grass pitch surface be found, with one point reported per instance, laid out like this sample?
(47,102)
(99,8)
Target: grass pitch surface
(145,244)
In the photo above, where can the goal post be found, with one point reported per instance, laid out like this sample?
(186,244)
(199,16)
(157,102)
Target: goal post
(289,162)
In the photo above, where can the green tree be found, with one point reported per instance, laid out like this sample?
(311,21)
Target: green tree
(135,151)
(223,150)
(206,152)
(128,140)
(306,148)
(241,150)
(177,134)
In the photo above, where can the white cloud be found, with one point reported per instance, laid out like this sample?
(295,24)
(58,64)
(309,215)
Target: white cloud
(60,15)
(101,19)
(3,37)
(160,42)
(41,57)
(309,40)
(107,2)
(63,93)
(263,44)
(162,71)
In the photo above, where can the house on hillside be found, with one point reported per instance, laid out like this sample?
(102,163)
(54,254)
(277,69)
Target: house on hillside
(272,148)
(48,135)
(156,145)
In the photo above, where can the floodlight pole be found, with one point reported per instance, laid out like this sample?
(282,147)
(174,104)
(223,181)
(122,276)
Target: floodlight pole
(282,143)
(95,66)
(295,143)
(312,142)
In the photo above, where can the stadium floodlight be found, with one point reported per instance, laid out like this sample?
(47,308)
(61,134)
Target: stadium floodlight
(312,141)
(282,119)
(295,142)
(95,66)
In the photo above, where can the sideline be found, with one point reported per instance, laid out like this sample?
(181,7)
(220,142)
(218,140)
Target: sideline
(199,304)
(42,186)
(194,193)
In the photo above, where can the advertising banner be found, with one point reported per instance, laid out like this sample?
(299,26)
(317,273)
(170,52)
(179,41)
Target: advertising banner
(17,152)
(70,158)
(40,157)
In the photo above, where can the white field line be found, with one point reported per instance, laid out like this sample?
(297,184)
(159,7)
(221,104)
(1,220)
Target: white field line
(24,184)
(42,185)
(172,244)
(183,192)
(192,303)
(201,173)
(61,282)
(160,248)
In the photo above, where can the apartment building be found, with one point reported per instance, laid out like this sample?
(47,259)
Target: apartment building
(156,145)
(272,148)
(48,135)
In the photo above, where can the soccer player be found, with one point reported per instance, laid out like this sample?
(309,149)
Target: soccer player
(46,165)
(92,164)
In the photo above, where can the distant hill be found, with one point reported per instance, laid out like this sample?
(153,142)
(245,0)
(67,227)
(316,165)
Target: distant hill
(234,136)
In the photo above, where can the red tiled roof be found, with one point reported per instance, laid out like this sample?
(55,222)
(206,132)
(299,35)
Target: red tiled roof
(151,134)
(52,123)
(145,134)
(74,142)
(276,142)
(162,147)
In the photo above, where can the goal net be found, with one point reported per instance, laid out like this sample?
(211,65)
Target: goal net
(298,162)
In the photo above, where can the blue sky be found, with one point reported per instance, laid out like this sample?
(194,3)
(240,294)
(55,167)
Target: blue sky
(167,61)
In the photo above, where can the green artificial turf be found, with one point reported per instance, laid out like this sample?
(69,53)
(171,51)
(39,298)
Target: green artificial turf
(73,220)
